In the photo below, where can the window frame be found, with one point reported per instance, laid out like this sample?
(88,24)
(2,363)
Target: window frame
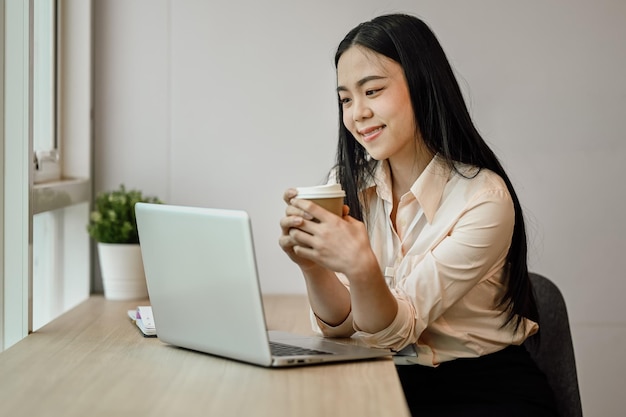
(2,236)
(17,142)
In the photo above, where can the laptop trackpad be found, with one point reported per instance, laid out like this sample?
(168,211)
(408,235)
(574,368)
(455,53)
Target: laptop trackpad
(315,342)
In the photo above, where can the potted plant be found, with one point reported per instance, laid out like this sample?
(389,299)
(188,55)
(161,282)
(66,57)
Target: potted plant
(113,226)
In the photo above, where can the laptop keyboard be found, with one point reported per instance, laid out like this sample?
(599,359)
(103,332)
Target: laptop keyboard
(280,349)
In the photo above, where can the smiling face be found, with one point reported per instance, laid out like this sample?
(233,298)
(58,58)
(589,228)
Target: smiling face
(376,104)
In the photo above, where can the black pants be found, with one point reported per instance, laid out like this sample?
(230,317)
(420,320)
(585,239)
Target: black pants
(506,383)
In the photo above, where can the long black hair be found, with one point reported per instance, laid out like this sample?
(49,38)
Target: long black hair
(445,126)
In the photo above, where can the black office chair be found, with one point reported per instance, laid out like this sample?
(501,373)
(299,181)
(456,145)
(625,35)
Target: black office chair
(553,350)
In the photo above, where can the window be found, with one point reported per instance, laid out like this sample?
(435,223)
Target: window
(44,84)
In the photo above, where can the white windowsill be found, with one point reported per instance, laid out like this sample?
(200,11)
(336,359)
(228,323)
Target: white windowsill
(59,194)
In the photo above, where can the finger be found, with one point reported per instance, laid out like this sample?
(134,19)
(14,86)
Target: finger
(301,238)
(345,211)
(286,243)
(289,194)
(291,222)
(294,237)
(351,220)
(305,252)
(315,210)
(283,242)
(295,211)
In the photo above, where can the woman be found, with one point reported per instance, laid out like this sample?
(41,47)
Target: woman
(430,253)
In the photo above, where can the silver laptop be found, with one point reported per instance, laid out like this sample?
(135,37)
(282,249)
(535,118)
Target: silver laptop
(204,290)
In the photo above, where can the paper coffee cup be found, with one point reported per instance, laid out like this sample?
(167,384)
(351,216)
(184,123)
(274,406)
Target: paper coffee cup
(329,196)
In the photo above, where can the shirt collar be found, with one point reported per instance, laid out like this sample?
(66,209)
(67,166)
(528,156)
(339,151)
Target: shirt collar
(427,189)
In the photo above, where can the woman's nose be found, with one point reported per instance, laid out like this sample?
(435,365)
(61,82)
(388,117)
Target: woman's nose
(361,110)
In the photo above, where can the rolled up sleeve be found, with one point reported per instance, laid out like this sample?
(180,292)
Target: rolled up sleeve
(344,329)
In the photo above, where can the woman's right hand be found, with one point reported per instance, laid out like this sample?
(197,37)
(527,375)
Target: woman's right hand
(294,218)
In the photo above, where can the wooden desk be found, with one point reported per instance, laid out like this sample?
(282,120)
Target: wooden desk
(93,362)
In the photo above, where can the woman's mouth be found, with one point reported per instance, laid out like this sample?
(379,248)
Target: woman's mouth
(370,133)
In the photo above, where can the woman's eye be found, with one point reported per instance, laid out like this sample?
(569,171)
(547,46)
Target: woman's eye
(372,92)
(344,100)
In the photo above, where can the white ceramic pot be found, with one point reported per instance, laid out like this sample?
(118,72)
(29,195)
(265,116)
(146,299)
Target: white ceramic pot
(122,271)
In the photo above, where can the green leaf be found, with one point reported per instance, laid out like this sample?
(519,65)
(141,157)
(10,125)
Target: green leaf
(113,217)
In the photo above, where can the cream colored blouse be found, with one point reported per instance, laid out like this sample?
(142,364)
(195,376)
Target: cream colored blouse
(443,262)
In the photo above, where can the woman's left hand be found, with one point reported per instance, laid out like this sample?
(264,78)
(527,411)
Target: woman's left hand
(340,244)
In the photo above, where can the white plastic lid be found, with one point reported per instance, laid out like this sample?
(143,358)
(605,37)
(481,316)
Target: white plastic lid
(321,191)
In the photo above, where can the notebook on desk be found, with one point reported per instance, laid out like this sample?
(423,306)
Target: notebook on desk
(205,294)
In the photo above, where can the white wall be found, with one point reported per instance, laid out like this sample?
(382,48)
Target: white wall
(226,105)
